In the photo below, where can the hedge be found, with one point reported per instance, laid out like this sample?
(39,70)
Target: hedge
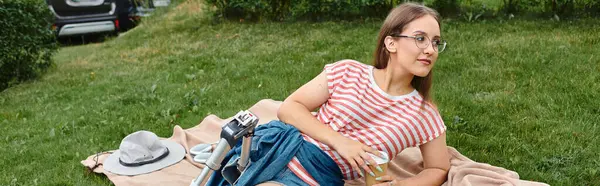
(283,10)
(26,40)
(279,10)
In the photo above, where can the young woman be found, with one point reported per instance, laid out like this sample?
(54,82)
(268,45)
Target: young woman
(385,107)
(363,110)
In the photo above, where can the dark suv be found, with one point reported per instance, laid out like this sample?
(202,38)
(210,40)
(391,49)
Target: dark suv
(79,17)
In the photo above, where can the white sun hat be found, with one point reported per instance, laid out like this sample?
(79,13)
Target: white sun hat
(143,152)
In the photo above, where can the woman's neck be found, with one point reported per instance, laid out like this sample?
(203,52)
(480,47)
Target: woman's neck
(394,81)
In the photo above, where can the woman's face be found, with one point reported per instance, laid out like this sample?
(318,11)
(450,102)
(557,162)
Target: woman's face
(414,51)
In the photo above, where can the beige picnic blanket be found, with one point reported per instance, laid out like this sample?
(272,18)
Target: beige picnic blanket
(463,171)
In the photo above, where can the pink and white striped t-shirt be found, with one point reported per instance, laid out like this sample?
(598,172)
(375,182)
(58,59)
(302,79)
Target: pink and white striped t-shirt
(358,109)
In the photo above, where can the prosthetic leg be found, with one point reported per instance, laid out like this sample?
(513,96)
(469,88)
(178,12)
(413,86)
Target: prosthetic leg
(242,125)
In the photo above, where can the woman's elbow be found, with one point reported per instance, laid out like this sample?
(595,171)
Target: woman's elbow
(280,114)
(281,111)
(445,166)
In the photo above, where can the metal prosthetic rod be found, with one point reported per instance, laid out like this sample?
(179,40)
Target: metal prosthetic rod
(243,162)
(240,127)
(213,162)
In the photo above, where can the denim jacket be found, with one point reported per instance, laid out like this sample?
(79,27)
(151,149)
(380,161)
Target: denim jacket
(273,146)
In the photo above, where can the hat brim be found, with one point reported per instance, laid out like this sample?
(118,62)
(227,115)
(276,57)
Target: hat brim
(176,154)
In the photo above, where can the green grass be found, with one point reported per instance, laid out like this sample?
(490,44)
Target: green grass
(523,95)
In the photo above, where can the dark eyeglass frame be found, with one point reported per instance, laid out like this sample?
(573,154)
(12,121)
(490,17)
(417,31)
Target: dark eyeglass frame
(442,42)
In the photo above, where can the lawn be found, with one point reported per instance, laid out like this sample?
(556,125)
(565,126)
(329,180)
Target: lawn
(524,95)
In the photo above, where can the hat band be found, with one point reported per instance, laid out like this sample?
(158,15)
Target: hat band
(135,164)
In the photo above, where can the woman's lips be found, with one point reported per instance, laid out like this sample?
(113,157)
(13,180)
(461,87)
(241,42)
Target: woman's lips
(425,61)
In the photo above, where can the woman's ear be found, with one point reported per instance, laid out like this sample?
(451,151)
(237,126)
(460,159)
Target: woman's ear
(390,44)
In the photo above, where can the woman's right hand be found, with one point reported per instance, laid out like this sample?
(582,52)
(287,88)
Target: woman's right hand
(356,154)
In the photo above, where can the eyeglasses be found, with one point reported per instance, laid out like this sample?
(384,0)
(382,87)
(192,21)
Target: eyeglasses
(423,42)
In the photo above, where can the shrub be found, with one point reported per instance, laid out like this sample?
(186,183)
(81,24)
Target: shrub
(341,9)
(447,7)
(552,7)
(278,10)
(26,40)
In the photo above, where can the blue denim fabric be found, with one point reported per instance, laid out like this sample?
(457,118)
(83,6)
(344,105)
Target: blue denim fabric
(273,146)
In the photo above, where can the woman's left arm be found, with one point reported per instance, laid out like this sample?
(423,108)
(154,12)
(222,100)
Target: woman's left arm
(436,163)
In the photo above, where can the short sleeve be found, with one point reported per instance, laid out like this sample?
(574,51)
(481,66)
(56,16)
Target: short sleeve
(335,73)
(431,122)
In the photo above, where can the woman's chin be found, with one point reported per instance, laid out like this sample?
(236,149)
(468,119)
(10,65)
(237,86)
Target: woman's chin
(421,73)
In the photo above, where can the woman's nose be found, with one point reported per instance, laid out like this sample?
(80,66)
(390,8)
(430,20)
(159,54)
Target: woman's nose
(429,50)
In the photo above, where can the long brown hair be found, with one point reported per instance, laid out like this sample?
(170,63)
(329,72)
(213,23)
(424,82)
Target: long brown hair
(396,22)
